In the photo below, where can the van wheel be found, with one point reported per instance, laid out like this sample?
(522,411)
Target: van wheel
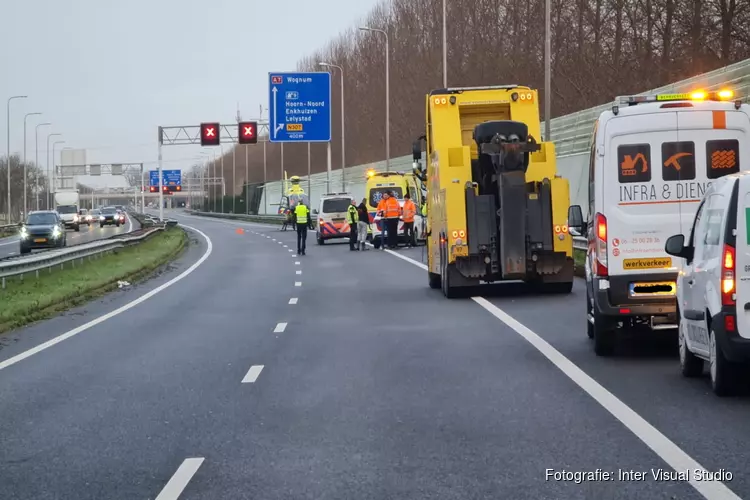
(77,228)
(321,241)
(589,314)
(723,372)
(690,364)
(376,243)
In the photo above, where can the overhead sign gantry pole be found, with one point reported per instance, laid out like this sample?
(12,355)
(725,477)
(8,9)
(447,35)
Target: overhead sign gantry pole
(206,134)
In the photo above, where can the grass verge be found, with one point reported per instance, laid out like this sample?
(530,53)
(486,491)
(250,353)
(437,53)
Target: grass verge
(32,299)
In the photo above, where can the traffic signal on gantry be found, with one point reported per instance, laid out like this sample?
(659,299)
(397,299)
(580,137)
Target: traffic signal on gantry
(248,132)
(210,134)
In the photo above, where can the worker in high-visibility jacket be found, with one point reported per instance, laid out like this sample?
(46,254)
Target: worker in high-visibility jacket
(303,221)
(352,218)
(408,212)
(380,211)
(363,226)
(392,216)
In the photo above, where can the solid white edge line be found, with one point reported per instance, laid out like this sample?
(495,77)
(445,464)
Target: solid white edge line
(104,317)
(182,476)
(297,283)
(280,327)
(252,374)
(660,444)
(293,300)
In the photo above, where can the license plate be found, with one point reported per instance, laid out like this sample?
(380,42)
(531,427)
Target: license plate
(651,263)
(40,240)
(461,251)
(667,288)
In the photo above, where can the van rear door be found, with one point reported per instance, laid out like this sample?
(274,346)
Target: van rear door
(711,143)
(642,209)
(742,269)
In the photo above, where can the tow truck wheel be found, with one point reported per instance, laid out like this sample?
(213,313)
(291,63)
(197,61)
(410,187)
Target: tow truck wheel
(433,279)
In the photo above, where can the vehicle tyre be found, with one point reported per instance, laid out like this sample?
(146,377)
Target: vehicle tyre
(433,279)
(77,228)
(449,291)
(414,237)
(25,250)
(690,364)
(321,241)
(605,334)
(723,372)
(589,314)
(117,224)
(101,224)
(376,243)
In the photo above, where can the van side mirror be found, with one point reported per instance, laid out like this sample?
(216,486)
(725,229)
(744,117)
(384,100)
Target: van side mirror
(575,218)
(315,211)
(416,150)
(675,246)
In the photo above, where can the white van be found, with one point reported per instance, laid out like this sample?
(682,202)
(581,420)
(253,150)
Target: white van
(332,222)
(714,303)
(652,159)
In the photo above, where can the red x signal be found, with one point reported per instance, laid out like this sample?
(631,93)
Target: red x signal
(210,134)
(248,132)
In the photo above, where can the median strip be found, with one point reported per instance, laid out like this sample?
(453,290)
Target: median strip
(31,299)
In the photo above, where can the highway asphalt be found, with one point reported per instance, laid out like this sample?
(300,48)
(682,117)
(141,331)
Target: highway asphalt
(10,246)
(338,374)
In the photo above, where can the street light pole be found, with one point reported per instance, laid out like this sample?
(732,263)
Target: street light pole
(343,137)
(8,157)
(445,47)
(49,178)
(387,97)
(54,167)
(36,158)
(25,173)
(547,68)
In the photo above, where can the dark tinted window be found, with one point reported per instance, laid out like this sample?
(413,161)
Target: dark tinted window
(109,210)
(678,161)
(634,163)
(41,219)
(95,212)
(67,209)
(336,205)
(376,194)
(722,157)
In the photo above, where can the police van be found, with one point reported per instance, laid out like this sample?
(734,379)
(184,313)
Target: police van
(713,289)
(651,160)
(332,221)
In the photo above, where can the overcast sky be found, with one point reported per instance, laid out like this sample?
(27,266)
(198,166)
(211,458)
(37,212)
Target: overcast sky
(106,73)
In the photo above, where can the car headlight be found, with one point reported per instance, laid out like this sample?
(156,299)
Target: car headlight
(75,218)
(56,231)
(101,217)
(23,233)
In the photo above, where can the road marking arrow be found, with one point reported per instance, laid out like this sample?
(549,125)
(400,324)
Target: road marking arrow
(275,126)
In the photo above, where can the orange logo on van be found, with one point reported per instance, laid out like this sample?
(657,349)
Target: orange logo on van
(673,161)
(629,163)
(723,158)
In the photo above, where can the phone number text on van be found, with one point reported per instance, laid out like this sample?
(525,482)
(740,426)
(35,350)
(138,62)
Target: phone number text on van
(676,191)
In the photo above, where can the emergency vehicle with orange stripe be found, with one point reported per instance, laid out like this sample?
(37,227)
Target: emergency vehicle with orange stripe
(332,223)
(399,183)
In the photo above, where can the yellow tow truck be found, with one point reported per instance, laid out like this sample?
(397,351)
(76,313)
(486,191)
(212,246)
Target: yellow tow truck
(496,208)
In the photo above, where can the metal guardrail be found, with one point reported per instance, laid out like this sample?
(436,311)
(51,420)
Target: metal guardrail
(47,260)
(579,243)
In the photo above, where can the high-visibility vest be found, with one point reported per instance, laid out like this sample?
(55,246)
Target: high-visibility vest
(301,212)
(392,208)
(381,206)
(424,209)
(410,210)
(352,215)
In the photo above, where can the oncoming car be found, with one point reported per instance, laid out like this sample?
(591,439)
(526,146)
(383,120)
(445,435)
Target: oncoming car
(110,216)
(42,229)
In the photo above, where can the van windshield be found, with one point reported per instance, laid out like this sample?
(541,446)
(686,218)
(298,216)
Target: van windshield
(67,209)
(334,205)
(376,194)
